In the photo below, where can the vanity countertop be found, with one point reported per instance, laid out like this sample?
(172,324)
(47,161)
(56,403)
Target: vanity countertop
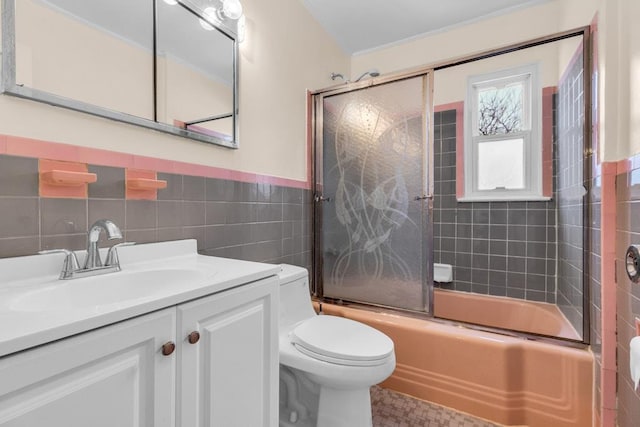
(36,307)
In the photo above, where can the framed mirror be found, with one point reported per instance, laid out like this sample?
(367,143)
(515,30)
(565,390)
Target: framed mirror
(195,72)
(166,65)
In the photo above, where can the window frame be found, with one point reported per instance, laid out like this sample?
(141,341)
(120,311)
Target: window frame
(532,138)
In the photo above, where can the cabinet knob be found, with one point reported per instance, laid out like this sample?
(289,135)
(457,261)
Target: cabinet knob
(168,348)
(193,337)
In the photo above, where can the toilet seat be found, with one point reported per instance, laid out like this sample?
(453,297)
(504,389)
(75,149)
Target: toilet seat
(341,341)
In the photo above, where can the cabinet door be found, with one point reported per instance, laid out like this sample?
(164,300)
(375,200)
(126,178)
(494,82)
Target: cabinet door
(229,378)
(113,376)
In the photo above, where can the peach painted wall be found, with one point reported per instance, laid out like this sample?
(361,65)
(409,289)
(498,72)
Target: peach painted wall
(450,84)
(42,64)
(619,57)
(284,55)
(522,24)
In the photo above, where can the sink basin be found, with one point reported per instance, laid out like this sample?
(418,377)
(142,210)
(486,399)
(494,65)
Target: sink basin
(105,290)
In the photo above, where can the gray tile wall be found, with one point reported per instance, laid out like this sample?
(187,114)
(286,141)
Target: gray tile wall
(595,288)
(496,248)
(570,191)
(257,222)
(628,293)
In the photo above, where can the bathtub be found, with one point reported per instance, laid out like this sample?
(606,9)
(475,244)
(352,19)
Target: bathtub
(508,380)
(502,312)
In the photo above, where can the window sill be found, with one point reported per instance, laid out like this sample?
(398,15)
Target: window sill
(496,198)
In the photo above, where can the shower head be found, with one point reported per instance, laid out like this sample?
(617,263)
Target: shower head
(372,72)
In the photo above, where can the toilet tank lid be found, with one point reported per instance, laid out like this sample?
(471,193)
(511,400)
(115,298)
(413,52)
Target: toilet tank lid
(289,273)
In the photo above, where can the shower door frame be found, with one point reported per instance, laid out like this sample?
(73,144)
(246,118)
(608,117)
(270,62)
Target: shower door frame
(427,180)
(316,125)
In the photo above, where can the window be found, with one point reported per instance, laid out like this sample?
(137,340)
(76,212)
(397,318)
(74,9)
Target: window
(502,144)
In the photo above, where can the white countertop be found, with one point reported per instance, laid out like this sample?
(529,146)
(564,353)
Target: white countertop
(23,326)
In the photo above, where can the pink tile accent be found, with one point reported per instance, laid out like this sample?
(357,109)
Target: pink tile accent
(460,150)
(97,156)
(139,194)
(608,386)
(547,140)
(18,146)
(608,417)
(27,147)
(69,190)
(449,106)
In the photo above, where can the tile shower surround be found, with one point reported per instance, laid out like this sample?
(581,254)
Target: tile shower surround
(497,248)
(628,293)
(570,187)
(251,221)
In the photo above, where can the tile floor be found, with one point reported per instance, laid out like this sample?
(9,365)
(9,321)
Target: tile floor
(392,409)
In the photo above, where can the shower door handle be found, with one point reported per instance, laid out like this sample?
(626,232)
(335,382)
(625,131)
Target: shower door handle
(320,198)
(425,197)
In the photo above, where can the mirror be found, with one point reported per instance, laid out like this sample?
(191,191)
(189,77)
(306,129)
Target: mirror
(195,69)
(102,57)
(82,51)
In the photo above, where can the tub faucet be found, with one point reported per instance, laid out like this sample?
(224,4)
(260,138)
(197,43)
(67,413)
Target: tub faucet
(93,254)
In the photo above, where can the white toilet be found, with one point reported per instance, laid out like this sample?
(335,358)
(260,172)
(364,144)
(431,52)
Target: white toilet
(327,363)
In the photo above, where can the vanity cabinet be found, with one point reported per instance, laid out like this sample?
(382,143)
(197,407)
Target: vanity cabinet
(221,370)
(113,376)
(229,376)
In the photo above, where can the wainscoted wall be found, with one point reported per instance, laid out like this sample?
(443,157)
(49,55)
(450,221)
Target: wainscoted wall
(496,248)
(256,221)
(628,293)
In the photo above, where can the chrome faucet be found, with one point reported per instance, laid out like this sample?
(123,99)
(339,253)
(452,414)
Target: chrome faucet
(93,264)
(93,255)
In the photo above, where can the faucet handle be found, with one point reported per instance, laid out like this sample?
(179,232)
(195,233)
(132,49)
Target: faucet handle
(70,263)
(112,255)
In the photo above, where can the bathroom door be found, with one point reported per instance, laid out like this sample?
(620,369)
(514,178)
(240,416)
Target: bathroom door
(372,188)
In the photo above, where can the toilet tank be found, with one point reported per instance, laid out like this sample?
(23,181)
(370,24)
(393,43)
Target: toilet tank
(295,297)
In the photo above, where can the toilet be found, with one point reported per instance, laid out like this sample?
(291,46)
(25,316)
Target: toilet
(327,363)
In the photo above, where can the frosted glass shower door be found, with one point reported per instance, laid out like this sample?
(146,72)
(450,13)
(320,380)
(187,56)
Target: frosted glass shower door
(373,210)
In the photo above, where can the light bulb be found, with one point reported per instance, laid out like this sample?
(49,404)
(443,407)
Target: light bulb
(210,13)
(232,9)
(171,2)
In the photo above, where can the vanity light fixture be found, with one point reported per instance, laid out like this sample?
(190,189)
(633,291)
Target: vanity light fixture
(232,9)
(227,10)
(211,15)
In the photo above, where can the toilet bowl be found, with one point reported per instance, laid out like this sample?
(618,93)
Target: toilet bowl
(327,363)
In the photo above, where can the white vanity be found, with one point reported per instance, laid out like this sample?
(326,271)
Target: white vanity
(174,339)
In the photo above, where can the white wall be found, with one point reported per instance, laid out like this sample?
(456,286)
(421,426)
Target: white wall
(521,25)
(619,56)
(286,52)
(450,84)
